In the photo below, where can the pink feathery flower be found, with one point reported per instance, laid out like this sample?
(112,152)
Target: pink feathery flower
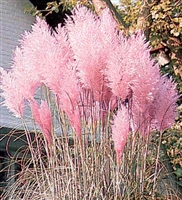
(75,120)
(120,71)
(165,104)
(147,74)
(12,94)
(85,28)
(144,91)
(25,73)
(90,52)
(68,97)
(109,30)
(42,115)
(59,62)
(39,54)
(24,76)
(129,66)
(120,131)
(109,40)
(45,55)
(30,57)
(132,74)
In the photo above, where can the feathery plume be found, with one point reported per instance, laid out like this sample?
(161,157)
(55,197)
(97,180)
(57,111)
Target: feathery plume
(90,52)
(165,104)
(68,98)
(12,93)
(42,115)
(120,131)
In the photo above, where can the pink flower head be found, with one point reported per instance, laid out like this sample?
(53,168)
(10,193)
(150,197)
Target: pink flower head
(165,102)
(129,65)
(36,47)
(109,29)
(44,55)
(25,73)
(132,74)
(59,61)
(90,52)
(42,115)
(12,93)
(75,120)
(68,97)
(120,131)
(147,74)
(119,70)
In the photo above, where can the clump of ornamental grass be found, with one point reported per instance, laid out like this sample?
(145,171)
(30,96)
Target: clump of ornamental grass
(103,100)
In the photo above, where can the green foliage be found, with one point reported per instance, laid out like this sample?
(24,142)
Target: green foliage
(51,7)
(54,7)
(29,8)
(129,10)
(166,21)
(166,18)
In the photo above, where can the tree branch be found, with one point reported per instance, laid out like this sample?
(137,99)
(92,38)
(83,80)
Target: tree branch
(102,4)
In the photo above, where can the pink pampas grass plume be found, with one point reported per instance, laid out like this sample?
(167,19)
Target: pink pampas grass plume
(46,54)
(120,131)
(119,72)
(165,103)
(133,75)
(91,51)
(25,73)
(75,120)
(68,98)
(42,115)
(12,93)
(85,29)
